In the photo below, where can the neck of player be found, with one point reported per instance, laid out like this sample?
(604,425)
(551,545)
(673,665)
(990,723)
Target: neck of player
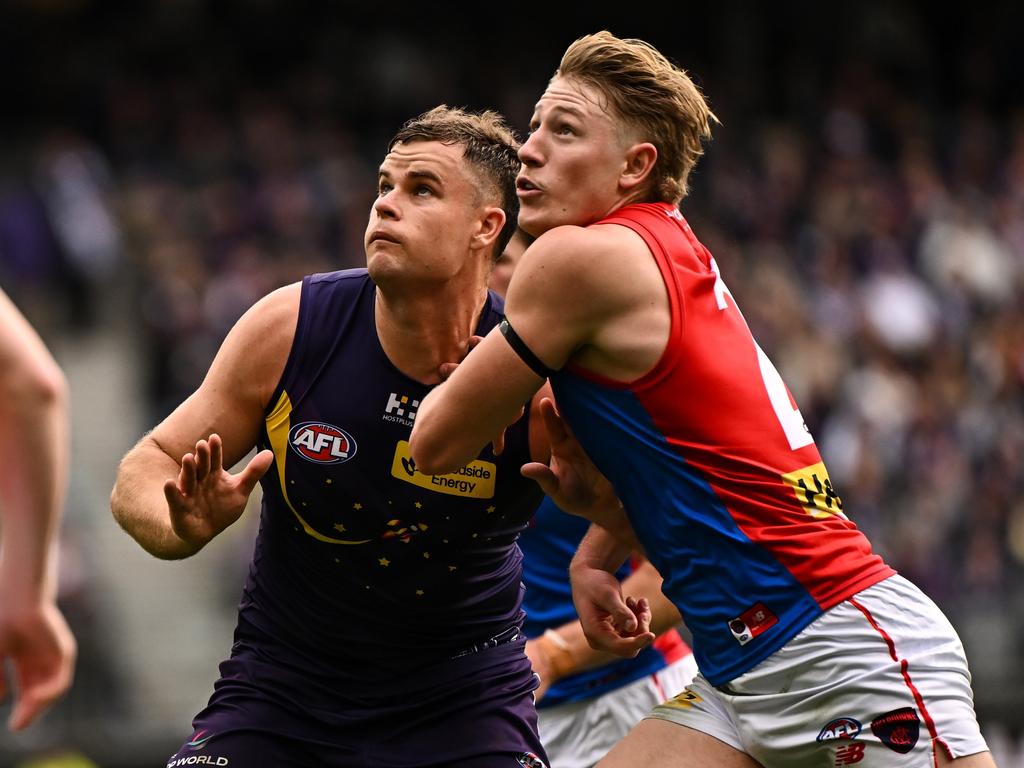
(422,328)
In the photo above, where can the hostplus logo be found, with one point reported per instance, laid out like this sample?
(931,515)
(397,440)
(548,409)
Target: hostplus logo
(401,409)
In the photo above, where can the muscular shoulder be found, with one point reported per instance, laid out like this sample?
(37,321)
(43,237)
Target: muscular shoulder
(594,270)
(576,247)
(594,295)
(256,350)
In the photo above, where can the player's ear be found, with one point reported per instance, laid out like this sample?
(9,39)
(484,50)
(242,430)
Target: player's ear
(489,226)
(638,165)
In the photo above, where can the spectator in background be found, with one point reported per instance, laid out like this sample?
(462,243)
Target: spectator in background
(34,637)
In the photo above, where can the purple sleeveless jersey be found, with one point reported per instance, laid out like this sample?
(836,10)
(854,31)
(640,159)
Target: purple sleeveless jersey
(380,619)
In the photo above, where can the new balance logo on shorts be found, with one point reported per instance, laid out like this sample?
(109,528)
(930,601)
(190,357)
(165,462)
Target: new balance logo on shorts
(851,753)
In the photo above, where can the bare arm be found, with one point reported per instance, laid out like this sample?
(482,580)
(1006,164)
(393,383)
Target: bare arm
(34,636)
(172,493)
(493,381)
(33,453)
(611,623)
(579,294)
(565,650)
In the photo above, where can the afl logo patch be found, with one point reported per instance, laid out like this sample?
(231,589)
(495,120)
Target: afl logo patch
(840,728)
(322,443)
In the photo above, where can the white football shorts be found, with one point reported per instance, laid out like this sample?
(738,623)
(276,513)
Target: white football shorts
(579,733)
(878,681)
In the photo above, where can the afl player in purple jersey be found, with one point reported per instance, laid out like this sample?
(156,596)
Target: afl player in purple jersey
(380,624)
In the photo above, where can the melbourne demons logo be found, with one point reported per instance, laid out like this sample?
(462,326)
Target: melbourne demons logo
(322,443)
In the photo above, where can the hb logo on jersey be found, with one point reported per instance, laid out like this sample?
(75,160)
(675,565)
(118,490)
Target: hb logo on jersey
(401,408)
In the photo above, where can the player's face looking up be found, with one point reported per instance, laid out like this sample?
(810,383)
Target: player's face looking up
(572,160)
(428,210)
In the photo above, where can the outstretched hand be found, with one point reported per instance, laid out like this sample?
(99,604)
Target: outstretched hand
(611,623)
(205,498)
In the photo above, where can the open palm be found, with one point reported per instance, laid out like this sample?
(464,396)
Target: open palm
(205,498)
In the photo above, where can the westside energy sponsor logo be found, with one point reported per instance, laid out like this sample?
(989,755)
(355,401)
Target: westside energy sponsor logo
(322,443)
(475,480)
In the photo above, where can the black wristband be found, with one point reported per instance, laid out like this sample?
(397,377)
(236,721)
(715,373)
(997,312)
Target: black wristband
(520,348)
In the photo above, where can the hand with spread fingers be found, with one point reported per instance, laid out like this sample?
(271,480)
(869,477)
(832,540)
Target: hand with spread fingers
(205,498)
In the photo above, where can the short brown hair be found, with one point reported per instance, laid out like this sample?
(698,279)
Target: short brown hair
(651,94)
(489,146)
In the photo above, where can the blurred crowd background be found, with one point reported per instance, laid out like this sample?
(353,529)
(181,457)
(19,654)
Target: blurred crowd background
(165,164)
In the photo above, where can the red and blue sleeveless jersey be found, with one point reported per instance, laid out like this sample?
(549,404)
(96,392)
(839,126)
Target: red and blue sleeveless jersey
(365,570)
(548,545)
(721,479)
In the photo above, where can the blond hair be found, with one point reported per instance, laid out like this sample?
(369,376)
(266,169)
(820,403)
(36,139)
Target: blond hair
(489,147)
(653,96)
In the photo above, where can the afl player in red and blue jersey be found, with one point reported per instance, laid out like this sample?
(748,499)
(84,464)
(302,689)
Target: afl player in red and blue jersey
(587,699)
(380,625)
(811,650)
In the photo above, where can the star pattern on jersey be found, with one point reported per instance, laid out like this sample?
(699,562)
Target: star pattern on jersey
(434,536)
